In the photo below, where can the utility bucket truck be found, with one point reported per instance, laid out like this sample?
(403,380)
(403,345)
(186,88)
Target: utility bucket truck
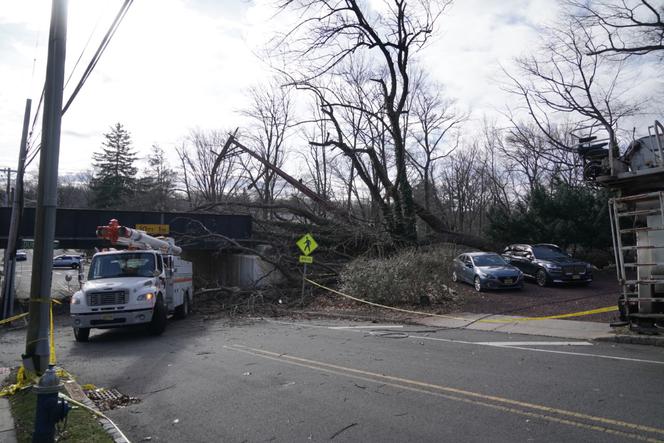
(637,221)
(140,285)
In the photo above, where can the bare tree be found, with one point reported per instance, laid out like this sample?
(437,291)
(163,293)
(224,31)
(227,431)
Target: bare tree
(332,32)
(208,174)
(566,81)
(435,130)
(269,114)
(625,27)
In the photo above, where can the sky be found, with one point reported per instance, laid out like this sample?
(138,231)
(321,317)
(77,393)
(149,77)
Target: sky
(176,65)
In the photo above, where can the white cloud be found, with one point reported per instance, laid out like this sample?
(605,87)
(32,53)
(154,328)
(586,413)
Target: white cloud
(175,64)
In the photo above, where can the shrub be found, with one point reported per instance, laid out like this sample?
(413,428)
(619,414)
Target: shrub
(402,278)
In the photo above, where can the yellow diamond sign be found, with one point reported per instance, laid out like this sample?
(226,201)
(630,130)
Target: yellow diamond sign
(307,244)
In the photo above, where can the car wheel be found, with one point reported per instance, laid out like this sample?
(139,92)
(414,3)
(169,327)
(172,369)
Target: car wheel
(81,334)
(74,266)
(159,318)
(542,278)
(478,284)
(455,277)
(182,311)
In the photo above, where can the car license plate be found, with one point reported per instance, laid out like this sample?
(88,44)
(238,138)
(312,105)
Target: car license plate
(576,277)
(107,317)
(509,281)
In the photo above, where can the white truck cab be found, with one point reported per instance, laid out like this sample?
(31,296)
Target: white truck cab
(130,287)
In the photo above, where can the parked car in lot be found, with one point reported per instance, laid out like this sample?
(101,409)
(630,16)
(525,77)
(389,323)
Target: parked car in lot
(21,255)
(67,261)
(547,264)
(486,270)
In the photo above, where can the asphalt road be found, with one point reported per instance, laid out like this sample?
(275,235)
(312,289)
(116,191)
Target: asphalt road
(268,380)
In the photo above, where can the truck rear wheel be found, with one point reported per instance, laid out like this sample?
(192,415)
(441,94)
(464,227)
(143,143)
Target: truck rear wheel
(81,334)
(182,311)
(159,318)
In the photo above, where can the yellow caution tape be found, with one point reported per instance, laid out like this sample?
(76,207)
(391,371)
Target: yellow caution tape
(51,356)
(383,306)
(505,320)
(554,317)
(22,382)
(45,300)
(16,317)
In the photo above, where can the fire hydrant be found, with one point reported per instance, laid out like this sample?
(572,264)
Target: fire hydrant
(50,409)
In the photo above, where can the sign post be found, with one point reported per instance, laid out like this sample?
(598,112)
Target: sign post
(307,245)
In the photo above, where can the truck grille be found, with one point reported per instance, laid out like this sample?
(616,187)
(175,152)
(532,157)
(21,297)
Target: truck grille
(575,269)
(107,298)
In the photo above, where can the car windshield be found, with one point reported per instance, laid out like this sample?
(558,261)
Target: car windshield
(489,260)
(139,264)
(545,252)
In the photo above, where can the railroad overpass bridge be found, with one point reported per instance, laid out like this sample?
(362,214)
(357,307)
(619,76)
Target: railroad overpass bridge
(197,234)
(75,228)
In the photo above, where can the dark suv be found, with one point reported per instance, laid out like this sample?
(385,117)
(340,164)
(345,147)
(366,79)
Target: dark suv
(548,264)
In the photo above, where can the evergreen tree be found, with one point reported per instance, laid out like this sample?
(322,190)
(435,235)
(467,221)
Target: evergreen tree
(114,179)
(569,216)
(155,188)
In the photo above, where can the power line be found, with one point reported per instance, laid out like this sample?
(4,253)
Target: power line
(41,99)
(102,47)
(83,50)
(91,65)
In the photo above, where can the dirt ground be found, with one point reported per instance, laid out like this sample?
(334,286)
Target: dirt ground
(531,301)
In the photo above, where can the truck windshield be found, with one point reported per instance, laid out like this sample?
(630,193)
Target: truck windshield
(138,264)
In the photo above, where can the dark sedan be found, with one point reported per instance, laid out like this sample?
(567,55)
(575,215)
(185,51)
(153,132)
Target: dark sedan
(486,270)
(547,264)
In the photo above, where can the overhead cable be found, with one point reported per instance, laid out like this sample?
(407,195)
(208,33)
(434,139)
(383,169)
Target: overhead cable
(102,47)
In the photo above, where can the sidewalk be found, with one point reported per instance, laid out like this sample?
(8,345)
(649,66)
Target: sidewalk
(572,329)
(582,330)
(7,432)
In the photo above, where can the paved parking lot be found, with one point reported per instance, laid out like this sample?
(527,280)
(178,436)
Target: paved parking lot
(535,301)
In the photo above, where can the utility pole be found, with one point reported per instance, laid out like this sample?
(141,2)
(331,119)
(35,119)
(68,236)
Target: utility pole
(17,210)
(36,357)
(8,189)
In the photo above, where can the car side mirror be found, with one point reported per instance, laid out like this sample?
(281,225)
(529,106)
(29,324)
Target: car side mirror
(530,257)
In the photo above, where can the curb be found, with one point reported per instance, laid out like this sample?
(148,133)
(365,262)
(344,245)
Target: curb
(648,340)
(75,391)
(345,316)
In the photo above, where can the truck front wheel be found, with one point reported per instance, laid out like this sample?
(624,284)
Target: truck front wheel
(81,334)
(159,318)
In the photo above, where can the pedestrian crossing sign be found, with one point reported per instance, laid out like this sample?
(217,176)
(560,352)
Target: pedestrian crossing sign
(307,244)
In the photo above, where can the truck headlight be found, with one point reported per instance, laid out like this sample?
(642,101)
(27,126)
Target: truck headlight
(145,297)
(76,299)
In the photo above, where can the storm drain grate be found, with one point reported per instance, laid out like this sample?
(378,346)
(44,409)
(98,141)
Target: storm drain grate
(106,399)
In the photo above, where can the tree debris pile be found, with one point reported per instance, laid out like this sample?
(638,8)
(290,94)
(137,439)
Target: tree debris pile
(408,277)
